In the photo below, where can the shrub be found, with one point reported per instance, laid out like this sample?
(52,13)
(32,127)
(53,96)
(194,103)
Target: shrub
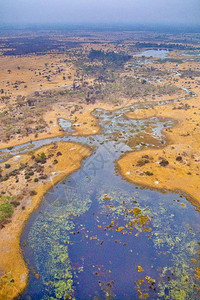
(33,193)
(6,211)
(164,162)
(142,162)
(4,178)
(36,179)
(15,203)
(30,173)
(41,158)
(43,176)
(148,173)
(179,158)
(7,166)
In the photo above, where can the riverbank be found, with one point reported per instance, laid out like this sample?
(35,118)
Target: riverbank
(176,166)
(61,160)
(83,122)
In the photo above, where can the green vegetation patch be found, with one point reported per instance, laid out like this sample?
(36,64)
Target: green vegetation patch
(6,211)
(117,59)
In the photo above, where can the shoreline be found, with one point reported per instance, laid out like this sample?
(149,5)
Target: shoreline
(20,270)
(163,190)
(176,174)
(80,125)
(14,271)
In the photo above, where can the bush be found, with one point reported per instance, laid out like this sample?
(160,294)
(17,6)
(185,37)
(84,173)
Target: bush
(179,158)
(36,179)
(164,162)
(41,158)
(6,211)
(33,193)
(7,166)
(142,162)
(15,203)
(30,173)
(148,173)
(4,178)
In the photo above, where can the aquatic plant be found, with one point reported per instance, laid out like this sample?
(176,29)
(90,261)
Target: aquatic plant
(52,258)
(104,214)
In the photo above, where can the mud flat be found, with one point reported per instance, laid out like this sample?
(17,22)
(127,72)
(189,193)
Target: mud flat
(14,272)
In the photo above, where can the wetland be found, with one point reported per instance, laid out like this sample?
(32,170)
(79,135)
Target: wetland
(99,166)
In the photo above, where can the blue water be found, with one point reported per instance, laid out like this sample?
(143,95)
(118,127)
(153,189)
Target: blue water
(191,53)
(94,232)
(154,53)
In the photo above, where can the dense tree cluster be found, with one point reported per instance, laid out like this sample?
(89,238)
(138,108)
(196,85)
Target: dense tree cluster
(117,59)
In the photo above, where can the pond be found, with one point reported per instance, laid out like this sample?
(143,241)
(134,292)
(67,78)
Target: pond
(66,125)
(191,53)
(160,53)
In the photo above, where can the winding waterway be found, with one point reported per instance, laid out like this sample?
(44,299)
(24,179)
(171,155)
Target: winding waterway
(97,236)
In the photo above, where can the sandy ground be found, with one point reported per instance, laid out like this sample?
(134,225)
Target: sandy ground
(23,75)
(83,121)
(13,270)
(181,173)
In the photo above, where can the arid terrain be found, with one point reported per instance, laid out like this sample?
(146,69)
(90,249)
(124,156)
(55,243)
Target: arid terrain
(45,77)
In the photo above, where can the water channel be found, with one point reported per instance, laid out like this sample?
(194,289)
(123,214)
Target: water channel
(97,236)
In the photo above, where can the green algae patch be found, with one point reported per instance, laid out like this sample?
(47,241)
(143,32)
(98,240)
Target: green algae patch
(56,272)
(137,217)
(143,286)
(69,235)
(179,279)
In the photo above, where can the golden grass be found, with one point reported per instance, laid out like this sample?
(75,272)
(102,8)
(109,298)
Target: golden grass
(183,140)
